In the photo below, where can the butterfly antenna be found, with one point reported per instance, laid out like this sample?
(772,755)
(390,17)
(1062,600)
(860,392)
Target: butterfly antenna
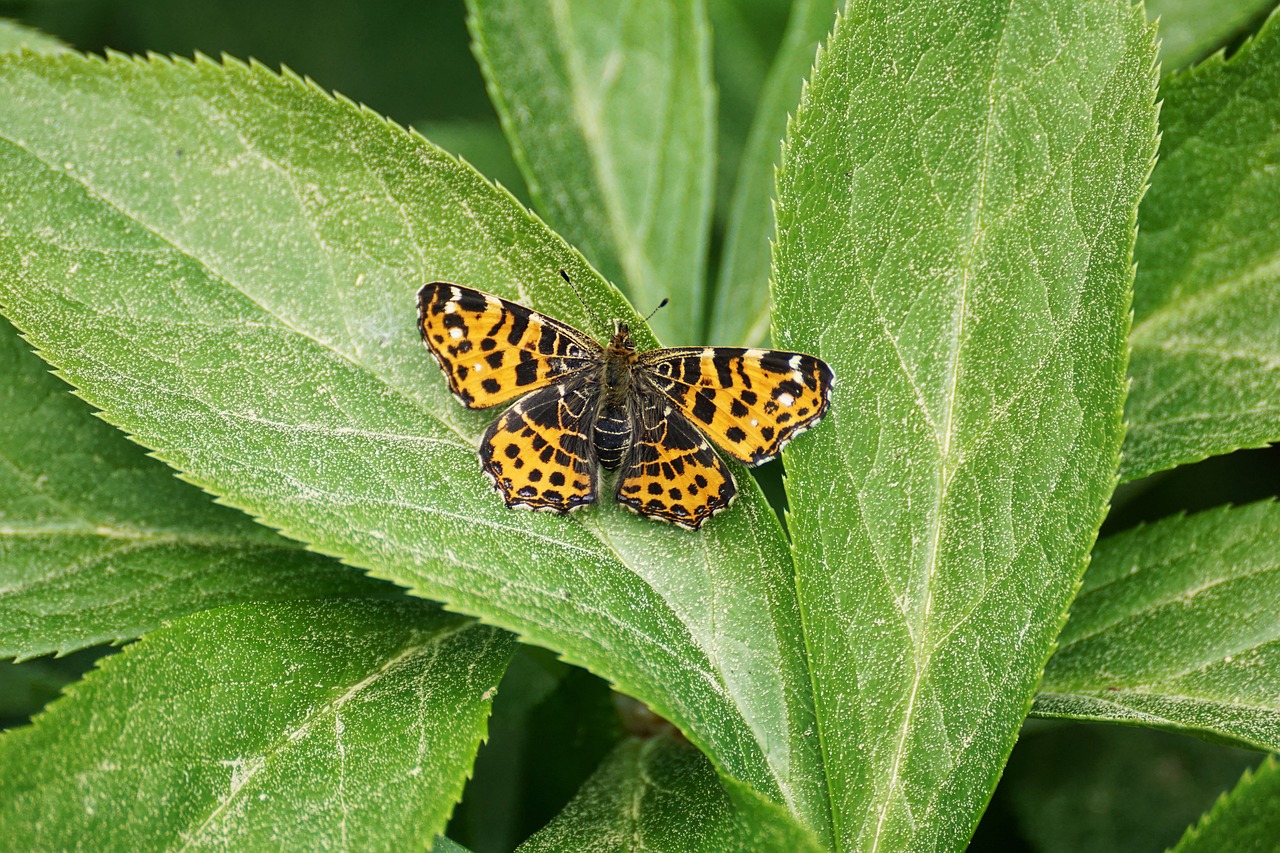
(590,313)
(661,304)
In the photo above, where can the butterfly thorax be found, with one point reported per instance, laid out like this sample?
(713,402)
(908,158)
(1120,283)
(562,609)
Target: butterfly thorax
(612,435)
(619,362)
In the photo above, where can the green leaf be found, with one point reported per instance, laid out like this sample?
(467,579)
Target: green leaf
(955,224)
(741,311)
(745,36)
(224,261)
(1247,819)
(548,734)
(98,543)
(610,111)
(299,725)
(1192,29)
(15,36)
(1114,789)
(1176,627)
(660,794)
(1206,332)
(483,145)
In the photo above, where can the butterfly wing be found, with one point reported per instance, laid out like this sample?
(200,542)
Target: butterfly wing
(492,350)
(538,453)
(672,473)
(750,401)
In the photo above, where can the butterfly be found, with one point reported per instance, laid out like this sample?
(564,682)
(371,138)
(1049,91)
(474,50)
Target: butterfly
(583,407)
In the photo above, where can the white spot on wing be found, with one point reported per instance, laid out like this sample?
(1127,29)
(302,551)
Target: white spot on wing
(785,399)
(455,332)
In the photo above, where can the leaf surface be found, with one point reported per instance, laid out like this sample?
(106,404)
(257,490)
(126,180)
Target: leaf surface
(225,261)
(745,37)
(297,725)
(955,225)
(15,36)
(741,311)
(662,795)
(99,544)
(1206,331)
(610,110)
(1176,627)
(483,145)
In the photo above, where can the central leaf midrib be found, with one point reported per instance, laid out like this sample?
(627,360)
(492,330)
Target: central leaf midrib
(921,653)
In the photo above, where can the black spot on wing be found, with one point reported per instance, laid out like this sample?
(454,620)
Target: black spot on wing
(527,369)
(724,371)
(519,323)
(795,389)
(471,300)
(704,406)
(775,362)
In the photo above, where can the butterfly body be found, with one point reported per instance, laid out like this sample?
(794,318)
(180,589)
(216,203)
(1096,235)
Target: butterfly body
(584,407)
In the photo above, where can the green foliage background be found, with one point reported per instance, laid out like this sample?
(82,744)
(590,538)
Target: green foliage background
(221,258)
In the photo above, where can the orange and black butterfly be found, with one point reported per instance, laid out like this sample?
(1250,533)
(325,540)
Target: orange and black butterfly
(583,407)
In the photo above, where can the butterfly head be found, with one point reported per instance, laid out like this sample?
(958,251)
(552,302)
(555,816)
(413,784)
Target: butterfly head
(621,342)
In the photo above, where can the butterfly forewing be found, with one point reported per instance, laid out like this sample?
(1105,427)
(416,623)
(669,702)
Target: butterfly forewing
(672,473)
(492,350)
(750,401)
(538,452)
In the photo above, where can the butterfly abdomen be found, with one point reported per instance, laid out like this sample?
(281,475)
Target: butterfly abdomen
(612,436)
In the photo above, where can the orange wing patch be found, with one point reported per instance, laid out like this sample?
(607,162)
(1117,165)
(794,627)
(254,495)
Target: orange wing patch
(751,402)
(672,474)
(538,452)
(492,350)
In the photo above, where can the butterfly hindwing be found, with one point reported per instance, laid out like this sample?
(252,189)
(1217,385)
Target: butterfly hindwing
(492,350)
(672,473)
(538,452)
(751,402)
